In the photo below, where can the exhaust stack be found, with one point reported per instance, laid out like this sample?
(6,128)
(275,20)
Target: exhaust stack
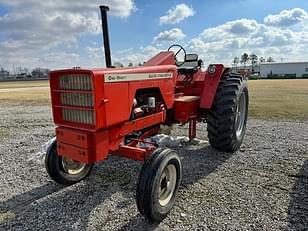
(104,10)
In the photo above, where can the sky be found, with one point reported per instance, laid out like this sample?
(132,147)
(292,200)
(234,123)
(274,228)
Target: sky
(61,34)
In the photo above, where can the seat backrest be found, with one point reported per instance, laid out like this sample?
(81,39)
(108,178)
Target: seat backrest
(191,60)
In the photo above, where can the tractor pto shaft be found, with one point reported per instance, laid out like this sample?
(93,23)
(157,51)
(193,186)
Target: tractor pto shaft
(104,10)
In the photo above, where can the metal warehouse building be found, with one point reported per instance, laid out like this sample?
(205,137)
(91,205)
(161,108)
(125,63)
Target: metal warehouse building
(300,69)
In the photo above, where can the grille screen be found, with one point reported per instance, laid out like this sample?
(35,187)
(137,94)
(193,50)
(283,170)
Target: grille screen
(76,82)
(78,116)
(77,99)
(75,92)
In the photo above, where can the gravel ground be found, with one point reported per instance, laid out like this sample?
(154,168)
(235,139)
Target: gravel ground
(264,186)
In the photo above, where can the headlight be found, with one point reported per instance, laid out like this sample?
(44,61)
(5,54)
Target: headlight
(211,69)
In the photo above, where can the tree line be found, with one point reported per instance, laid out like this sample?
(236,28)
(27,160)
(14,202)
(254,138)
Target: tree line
(251,59)
(24,73)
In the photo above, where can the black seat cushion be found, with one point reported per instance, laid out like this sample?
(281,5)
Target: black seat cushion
(187,70)
(190,65)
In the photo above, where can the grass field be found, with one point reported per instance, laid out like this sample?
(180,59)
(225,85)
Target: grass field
(21,84)
(279,99)
(32,97)
(35,97)
(269,99)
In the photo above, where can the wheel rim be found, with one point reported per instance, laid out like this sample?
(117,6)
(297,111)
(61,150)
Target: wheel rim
(72,167)
(240,115)
(167,184)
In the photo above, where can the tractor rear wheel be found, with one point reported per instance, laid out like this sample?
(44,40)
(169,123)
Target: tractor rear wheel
(158,184)
(226,121)
(64,170)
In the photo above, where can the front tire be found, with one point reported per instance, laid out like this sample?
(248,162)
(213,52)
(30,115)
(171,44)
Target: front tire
(226,122)
(64,170)
(158,184)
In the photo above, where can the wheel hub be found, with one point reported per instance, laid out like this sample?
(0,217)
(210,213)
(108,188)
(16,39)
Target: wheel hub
(240,115)
(72,167)
(167,184)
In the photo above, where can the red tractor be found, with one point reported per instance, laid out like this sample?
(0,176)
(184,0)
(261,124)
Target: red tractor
(115,110)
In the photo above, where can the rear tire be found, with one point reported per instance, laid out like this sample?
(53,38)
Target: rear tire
(226,121)
(158,184)
(63,170)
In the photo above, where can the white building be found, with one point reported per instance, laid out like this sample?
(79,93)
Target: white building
(298,69)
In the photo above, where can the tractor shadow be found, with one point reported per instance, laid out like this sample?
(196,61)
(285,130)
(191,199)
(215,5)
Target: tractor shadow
(55,207)
(16,203)
(73,208)
(298,206)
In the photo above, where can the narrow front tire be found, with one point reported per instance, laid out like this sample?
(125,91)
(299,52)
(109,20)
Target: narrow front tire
(64,170)
(158,184)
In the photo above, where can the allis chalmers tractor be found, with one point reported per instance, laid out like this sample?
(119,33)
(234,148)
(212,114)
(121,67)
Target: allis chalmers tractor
(116,110)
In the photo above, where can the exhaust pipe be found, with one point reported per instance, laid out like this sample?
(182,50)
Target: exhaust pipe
(104,10)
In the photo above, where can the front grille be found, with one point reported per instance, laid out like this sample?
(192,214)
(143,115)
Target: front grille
(78,116)
(76,98)
(76,82)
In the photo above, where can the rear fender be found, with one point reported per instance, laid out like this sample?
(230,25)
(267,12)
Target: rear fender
(211,82)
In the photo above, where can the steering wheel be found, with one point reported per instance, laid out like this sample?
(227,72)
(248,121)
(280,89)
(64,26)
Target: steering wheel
(178,50)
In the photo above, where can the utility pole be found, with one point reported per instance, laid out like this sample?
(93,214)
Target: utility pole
(14,71)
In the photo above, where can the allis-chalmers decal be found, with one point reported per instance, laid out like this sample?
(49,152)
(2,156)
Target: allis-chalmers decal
(135,77)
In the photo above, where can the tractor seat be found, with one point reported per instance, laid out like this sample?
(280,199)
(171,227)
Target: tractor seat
(190,66)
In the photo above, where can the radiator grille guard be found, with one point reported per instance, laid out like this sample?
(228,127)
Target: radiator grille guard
(75,82)
(75,98)
(78,116)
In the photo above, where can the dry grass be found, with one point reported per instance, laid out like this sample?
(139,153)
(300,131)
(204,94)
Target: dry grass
(27,98)
(279,99)
(269,99)
(21,84)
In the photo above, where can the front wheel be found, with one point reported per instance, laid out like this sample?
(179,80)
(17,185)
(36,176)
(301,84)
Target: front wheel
(226,122)
(158,184)
(64,170)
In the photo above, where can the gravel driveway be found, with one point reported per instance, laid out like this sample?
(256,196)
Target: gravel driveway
(264,186)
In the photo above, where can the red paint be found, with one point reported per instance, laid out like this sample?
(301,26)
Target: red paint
(162,58)
(186,108)
(183,98)
(210,86)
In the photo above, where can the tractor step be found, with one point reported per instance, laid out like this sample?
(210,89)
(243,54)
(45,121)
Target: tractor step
(186,108)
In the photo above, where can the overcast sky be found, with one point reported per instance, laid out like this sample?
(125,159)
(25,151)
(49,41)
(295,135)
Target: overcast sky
(62,33)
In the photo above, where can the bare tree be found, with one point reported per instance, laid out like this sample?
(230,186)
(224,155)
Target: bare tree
(236,61)
(118,64)
(244,59)
(262,60)
(254,61)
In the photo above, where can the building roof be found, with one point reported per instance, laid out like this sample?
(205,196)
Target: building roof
(279,63)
